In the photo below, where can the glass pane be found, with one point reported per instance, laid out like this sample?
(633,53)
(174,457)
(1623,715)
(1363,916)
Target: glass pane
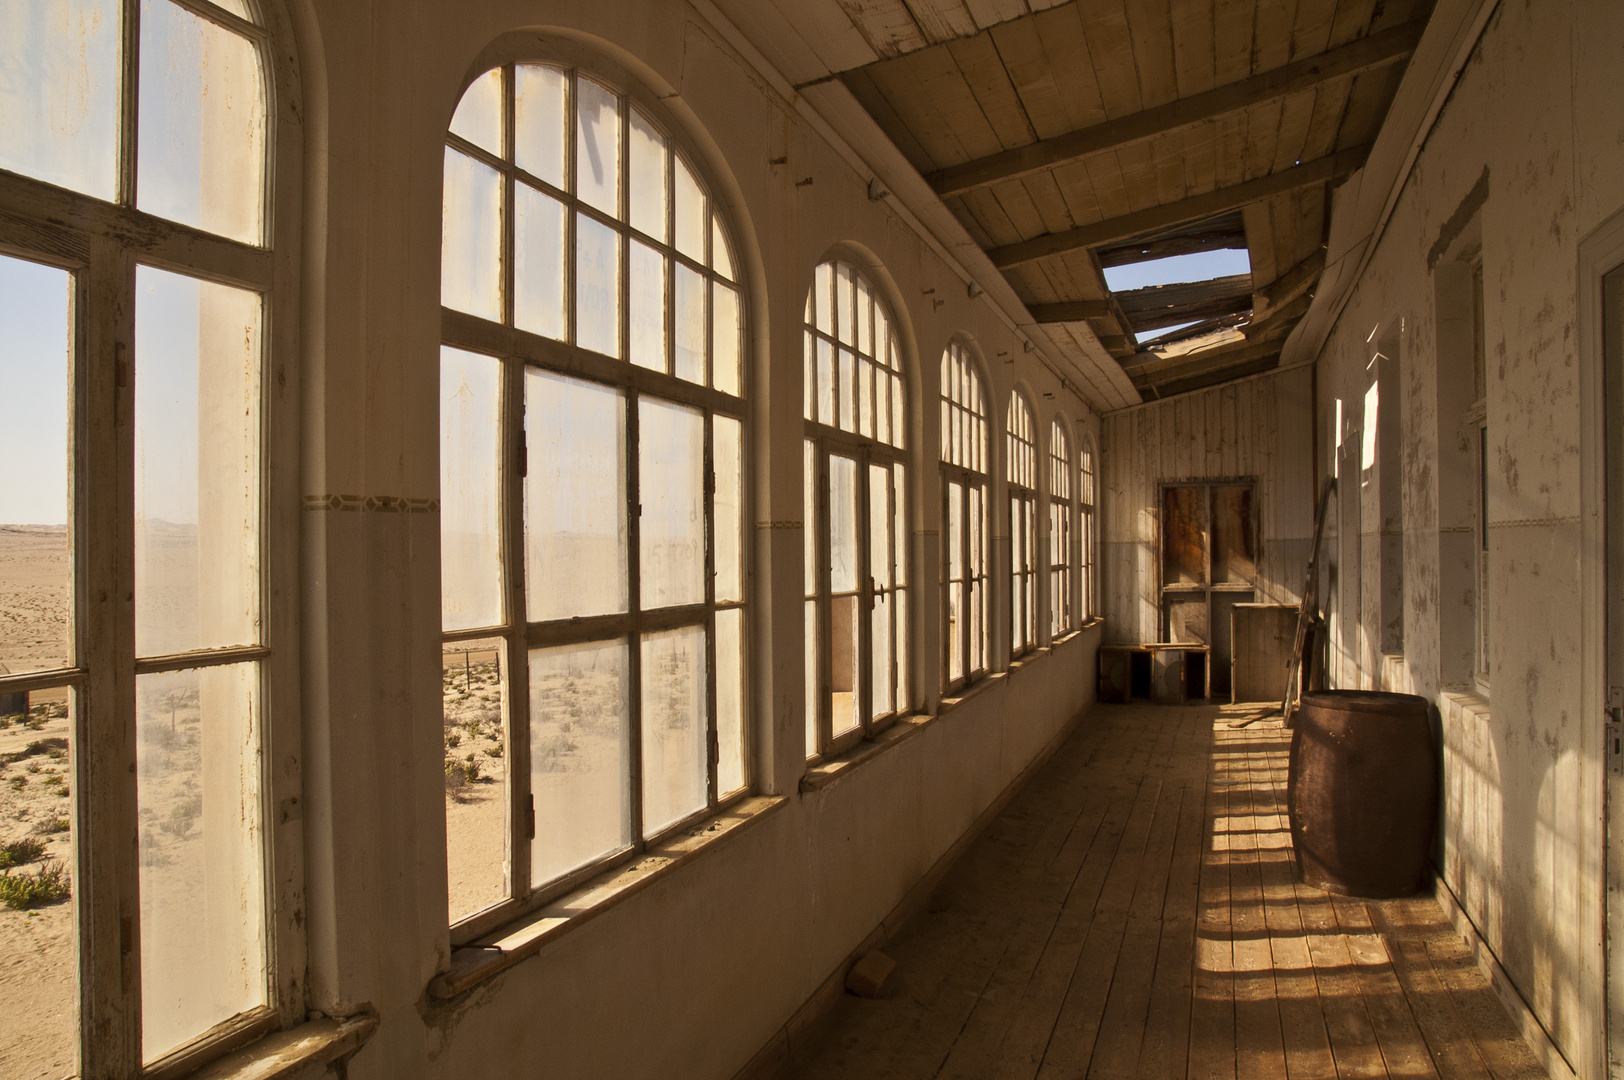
(690,212)
(36,568)
(580,756)
(880,656)
(650,197)
(648,269)
(479,114)
(470,502)
(476,798)
(882,407)
(822,294)
(471,238)
(811,673)
(730,737)
(597,286)
(955,536)
(847,389)
(879,525)
(808,377)
(899,523)
(538,262)
(809,515)
(197,437)
(690,320)
(725,335)
(865,319)
(38,1029)
(574,498)
(844,651)
(842,524)
(202,885)
(597,147)
(721,258)
(898,418)
(826,383)
(883,351)
(539,94)
(671,460)
(729,507)
(59,100)
(202,124)
(844,323)
(237,8)
(674,734)
(904,701)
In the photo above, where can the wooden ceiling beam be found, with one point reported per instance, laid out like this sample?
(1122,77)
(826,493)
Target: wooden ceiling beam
(1070,311)
(1161,391)
(1294,282)
(1377,50)
(1219,201)
(1188,243)
(1162,368)
(1156,298)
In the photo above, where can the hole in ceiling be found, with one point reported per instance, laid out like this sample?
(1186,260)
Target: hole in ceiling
(1153,335)
(1198,266)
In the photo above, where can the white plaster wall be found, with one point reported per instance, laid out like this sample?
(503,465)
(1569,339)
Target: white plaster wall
(1541,106)
(693,975)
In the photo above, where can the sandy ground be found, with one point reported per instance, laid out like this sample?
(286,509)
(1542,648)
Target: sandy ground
(33,597)
(476,779)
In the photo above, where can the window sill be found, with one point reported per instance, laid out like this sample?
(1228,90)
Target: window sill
(824,773)
(290,1053)
(970,693)
(1468,703)
(524,937)
(1030,656)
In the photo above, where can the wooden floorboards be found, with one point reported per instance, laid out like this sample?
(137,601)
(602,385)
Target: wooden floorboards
(1132,914)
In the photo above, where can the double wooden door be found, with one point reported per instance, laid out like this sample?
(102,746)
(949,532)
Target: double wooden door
(1208,565)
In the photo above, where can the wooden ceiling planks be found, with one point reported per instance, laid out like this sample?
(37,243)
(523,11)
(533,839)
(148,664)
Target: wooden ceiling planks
(1150,26)
(1260,242)
(887,25)
(830,33)
(1034,77)
(1271,35)
(1232,22)
(1193,59)
(989,83)
(943,20)
(1065,48)
(1110,51)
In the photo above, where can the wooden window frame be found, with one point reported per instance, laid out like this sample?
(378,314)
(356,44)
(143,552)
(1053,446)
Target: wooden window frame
(1062,532)
(1021,473)
(1088,560)
(1477,422)
(964,436)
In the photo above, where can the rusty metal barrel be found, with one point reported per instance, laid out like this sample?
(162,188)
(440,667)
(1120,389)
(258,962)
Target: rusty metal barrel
(1363,792)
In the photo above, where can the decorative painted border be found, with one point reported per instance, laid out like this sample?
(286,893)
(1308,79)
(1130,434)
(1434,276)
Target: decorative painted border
(381,504)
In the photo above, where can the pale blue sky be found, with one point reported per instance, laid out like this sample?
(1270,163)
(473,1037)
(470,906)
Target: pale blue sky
(1201,266)
(34,343)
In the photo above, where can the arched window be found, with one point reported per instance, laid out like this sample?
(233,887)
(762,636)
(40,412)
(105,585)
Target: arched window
(964,519)
(592,483)
(1086,497)
(1023,526)
(138,291)
(856,512)
(1061,611)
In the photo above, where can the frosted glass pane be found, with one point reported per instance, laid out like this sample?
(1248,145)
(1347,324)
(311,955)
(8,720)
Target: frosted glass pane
(36,568)
(730,737)
(721,257)
(882,337)
(476,793)
(899,418)
(809,515)
(597,147)
(691,220)
(574,498)
(826,383)
(847,391)
(811,670)
(729,513)
(470,503)
(479,114)
(580,756)
(597,286)
(904,701)
(690,320)
(237,8)
(538,262)
(650,194)
(471,238)
(955,582)
(842,524)
(822,284)
(59,98)
(197,434)
(955,533)
(539,94)
(674,733)
(671,460)
(647,268)
(882,406)
(844,322)
(844,650)
(202,124)
(899,523)
(879,525)
(809,379)
(880,655)
(865,397)
(725,335)
(202,925)
(865,319)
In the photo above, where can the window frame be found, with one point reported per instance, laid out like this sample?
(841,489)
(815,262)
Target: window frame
(1021,481)
(821,442)
(1088,580)
(964,462)
(1478,424)
(517,351)
(1061,549)
(101,243)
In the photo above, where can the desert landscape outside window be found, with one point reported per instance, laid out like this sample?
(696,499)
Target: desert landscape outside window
(964,519)
(1061,618)
(1022,463)
(855,472)
(592,434)
(131,353)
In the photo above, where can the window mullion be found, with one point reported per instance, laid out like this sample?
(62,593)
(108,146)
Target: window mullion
(516,666)
(129,100)
(634,648)
(711,719)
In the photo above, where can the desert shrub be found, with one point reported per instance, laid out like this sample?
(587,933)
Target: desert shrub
(494,751)
(53,779)
(181,818)
(54,825)
(57,753)
(33,766)
(455,778)
(471,727)
(46,885)
(20,851)
(470,767)
(18,783)
(453,738)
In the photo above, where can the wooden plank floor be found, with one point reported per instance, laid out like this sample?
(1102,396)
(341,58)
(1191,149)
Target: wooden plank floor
(1132,913)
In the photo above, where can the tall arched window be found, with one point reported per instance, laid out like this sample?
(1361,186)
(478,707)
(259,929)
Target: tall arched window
(140,305)
(964,519)
(1022,458)
(591,461)
(856,512)
(1061,611)
(1086,497)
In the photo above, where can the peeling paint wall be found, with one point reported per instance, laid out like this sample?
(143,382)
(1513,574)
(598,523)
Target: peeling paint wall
(1541,109)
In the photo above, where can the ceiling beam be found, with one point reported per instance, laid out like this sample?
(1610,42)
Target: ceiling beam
(1155,298)
(1070,311)
(1309,173)
(1183,243)
(1375,51)
(1294,282)
(1162,391)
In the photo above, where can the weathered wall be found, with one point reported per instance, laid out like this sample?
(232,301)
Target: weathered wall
(1260,429)
(693,975)
(1540,108)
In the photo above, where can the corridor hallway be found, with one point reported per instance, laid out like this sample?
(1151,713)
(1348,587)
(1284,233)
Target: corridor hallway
(1132,913)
